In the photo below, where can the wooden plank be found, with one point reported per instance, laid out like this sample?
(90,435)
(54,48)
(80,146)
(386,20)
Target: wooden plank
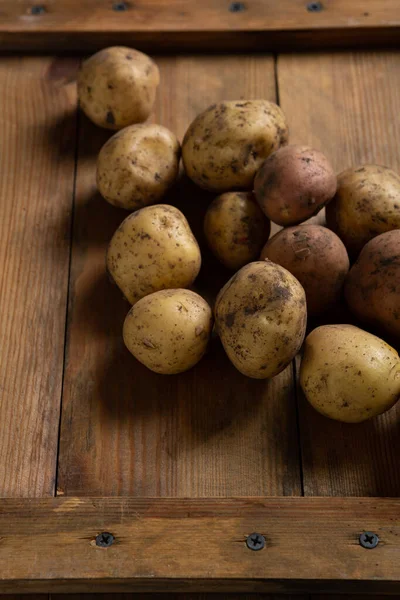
(126,430)
(187,25)
(38,124)
(199,545)
(346,105)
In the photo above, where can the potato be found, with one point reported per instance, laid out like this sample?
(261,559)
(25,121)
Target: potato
(153,249)
(367,203)
(117,87)
(138,165)
(226,144)
(261,317)
(235,228)
(168,331)
(372,287)
(348,374)
(316,257)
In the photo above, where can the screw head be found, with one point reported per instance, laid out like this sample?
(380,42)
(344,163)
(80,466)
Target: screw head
(315,6)
(369,540)
(255,541)
(120,6)
(37,9)
(104,539)
(237,7)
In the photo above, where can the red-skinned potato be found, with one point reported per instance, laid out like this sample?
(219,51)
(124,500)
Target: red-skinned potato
(293,184)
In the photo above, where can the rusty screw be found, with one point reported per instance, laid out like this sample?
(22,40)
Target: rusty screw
(37,9)
(314,7)
(369,540)
(105,539)
(255,541)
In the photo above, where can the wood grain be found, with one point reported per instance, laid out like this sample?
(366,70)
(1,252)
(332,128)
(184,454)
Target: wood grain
(199,545)
(38,125)
(346,105)
(126,430)
(187,24)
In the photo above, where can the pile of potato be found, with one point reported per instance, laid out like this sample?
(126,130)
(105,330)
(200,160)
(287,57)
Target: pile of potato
(239,150)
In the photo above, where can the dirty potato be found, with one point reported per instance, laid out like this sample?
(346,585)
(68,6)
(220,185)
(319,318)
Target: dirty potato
(226,144)
(236,229)
(168,331)
(293,184)
(153,249)
(348,374)
(316,257)
(372,287)
(138,165)
(261,317)
(117,87)
(367,203)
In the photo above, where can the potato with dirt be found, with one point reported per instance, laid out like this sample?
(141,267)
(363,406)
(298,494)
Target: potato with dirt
(235,229)
(316,257)
(372,287)
(117,87)
(366,204)
(226,144)
(261,317)
(169,331)
(348,374)
(138,166)
(153,249)
(293,184)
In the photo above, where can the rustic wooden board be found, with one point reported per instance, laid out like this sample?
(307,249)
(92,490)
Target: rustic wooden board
(199,544)
(346,105)
(187,24)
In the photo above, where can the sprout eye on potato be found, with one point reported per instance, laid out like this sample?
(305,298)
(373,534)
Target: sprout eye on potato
(138,165)
(348,374)
(293,184)
(226,144)
(117,87)
(153,249)
(168,331)
(235,228)
(261,318)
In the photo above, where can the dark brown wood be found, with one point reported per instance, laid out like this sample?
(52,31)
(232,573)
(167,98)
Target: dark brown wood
(199,545)
(187,24)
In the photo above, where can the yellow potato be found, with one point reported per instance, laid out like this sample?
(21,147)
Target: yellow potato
(261,318)
(236,229)
(226,144)
(348,374)
(168,331)
(117,87)
(138,165)
(153,249)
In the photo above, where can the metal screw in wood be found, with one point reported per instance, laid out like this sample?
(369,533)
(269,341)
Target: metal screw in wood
(120,6)
(237,7)
(315,7)
(104,539)
(255,541)
(37,9)
(369,540)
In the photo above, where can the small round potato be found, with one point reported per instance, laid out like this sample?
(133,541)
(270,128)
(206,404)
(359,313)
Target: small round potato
(372,287)
(138,165)
(153,249)
(168,331)
(117,87)
(316,257)
(261,318)
(348,374)
(226,144)
(236,229)
(294,184)
(367,203)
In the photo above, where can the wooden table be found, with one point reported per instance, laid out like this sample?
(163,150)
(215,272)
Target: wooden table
(79,418)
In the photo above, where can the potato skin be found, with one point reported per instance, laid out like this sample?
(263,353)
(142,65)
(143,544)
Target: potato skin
(366,204)
(372,287)
(316,257)
(348,374)
(235,228)
(225,145)
(293,184)
(138,165)
(168,331)
(117,87)
(153,249)
(261,318)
